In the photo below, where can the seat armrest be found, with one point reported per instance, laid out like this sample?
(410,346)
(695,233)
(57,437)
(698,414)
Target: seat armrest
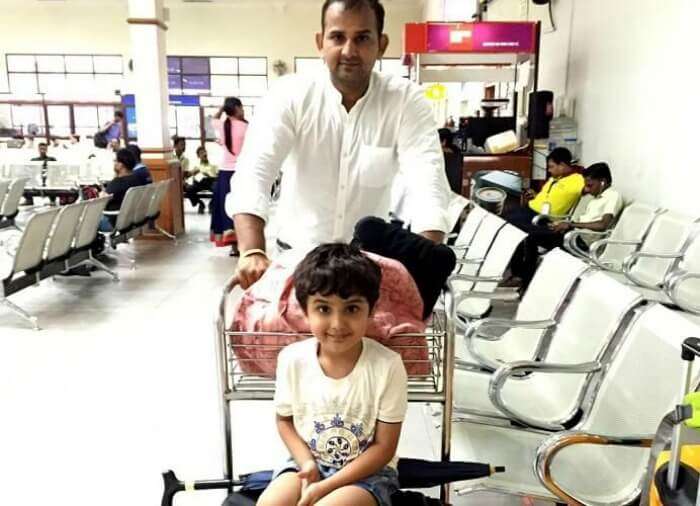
(506,371)
(550,447)
(632,258)
(672,285)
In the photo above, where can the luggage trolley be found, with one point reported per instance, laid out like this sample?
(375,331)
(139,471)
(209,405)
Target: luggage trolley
(235,384)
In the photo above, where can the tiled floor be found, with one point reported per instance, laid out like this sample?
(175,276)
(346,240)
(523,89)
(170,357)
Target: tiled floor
(121,384)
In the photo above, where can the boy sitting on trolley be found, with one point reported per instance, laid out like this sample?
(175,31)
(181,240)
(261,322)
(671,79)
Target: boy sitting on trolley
(340,397)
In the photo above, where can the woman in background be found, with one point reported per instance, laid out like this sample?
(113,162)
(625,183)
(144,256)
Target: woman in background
(230,134)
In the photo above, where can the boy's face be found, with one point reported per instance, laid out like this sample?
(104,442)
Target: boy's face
(338,324)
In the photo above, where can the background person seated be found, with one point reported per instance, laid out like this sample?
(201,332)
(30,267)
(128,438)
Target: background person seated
(453,160)
(117,187)
(43,154)
(179,145)
(202,178)
(140,170)
(558,196)
(598,216)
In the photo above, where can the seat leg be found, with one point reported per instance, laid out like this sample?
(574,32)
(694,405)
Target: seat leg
(166,233)
(96,263)
(21,312)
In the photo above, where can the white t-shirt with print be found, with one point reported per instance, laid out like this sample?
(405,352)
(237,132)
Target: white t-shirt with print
(337,417)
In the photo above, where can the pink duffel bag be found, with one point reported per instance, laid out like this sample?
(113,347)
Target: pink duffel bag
(270,305)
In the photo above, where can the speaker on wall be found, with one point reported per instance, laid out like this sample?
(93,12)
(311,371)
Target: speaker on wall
(540,113)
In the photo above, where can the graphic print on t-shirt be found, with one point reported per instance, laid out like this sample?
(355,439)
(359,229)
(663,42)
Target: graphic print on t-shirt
(336,442)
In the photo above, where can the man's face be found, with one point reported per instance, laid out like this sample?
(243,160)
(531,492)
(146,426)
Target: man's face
(338,324)
(180,147)
(593,187)
(43,150)
(118,168)
(350,44)
(556,169)
(203,157)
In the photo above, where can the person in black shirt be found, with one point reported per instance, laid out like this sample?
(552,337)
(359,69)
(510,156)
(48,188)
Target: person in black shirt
(117,187)
(140,169)
(43,154)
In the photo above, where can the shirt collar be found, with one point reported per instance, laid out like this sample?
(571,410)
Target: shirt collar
(336,96)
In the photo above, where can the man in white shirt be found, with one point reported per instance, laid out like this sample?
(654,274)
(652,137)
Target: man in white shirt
(344,133)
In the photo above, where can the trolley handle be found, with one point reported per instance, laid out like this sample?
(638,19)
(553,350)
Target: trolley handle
(690,349)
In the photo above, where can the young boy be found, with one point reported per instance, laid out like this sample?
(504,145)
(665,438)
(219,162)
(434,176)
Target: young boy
(340,397)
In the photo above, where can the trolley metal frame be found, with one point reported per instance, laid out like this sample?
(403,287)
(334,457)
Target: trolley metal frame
(434,387)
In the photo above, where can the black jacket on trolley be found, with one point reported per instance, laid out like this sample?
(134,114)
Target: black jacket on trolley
(430,264)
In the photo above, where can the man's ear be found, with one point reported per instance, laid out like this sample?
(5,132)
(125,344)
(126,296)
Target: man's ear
(383,44)
(319,41)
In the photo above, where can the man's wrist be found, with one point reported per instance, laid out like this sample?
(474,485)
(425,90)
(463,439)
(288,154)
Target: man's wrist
(253,251)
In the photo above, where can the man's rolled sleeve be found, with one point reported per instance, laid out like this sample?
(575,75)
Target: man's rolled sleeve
(269,139)
(422,162)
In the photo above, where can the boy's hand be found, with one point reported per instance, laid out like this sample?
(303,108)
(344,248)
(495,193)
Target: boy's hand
(311,495)
(308,474)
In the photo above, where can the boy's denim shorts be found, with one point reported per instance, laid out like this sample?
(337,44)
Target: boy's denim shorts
(381,485)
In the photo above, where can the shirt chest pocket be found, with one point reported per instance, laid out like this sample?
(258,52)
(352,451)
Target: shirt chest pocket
(377,166)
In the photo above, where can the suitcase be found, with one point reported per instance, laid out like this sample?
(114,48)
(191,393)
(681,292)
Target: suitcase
(675,482)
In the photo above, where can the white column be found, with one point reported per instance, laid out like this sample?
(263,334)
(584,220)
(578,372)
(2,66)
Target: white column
(150,77)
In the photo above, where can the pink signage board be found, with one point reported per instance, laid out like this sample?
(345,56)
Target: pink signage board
(470,37)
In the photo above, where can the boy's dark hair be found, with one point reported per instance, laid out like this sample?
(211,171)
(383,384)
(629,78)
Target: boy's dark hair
(600,172)
(374,5)
(337,269)
(119,114)
(560,155)
(126,158)
(42,144)
(135,150)
(200,149)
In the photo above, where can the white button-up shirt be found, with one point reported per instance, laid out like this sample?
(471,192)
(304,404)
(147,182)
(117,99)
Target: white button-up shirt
(339,166)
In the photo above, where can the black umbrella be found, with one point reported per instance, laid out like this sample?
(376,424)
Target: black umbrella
(417,473)
(413,473)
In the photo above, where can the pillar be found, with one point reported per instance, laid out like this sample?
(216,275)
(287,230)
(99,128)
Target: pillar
(150,86)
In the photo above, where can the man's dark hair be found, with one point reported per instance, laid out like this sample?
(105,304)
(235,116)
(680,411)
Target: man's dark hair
(337,269)
(118,114)
(126,158)
(599,171)
(177,139)
(374,5)
(42,144)
(560,155)
(135,150)
(200,149)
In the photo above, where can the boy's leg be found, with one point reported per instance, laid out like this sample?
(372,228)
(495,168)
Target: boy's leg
(352,494)
(284,490)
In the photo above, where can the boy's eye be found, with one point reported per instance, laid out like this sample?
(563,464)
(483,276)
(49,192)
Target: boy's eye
(323,309)
(353,308)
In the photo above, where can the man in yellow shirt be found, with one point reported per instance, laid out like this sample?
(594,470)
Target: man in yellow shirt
(558,195)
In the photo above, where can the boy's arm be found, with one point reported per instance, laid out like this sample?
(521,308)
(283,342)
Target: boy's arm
(293,441)
(372,460)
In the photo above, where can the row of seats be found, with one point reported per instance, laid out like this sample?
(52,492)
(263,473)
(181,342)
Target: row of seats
(588,361)
(56,240)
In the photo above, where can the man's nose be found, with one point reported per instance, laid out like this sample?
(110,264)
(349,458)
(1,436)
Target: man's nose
(349,49)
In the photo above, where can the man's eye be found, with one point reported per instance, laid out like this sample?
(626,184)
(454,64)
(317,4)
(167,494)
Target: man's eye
(363,38)
(336,37)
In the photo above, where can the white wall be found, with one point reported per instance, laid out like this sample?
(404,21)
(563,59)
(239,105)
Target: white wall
(632,69)
(250,29)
